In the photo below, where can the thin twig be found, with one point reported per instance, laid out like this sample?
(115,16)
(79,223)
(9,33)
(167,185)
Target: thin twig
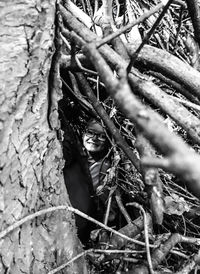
(180,254)
(92,250)
(129,26)
(84,103)
(82,68)
(188,104)
(69,208)
(116,251)
(69,262)
(96,81)
(190,264)
(146,234)
(106,218)
(78,212)
(67,44)
(120,141)
(29,218)
(122,208)
(148,35)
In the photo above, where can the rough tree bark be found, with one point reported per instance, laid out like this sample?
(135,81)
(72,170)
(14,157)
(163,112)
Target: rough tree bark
(30,153)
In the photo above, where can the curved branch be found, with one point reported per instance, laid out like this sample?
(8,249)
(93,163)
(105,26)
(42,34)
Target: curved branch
(108,122)
(160,253)
(148,121)
(148,35)
(140,84)
(178,87)
(130,25)
(168,104)
(170,66)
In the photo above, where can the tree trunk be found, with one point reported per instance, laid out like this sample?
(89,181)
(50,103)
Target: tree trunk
(30,154)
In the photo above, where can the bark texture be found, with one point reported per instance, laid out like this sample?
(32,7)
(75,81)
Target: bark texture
(30,153)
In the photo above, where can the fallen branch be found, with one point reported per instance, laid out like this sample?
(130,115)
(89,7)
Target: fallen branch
(30,218)
(182,161)
(140,84)
(151,179)
(148,35)
(130,25)
(55,270)
(84,253)
(178,87)
(71,209)
(191,264)
(121,207)
(169,65)
(105,21)
(84,103)
(131,230)
(160,253)
(146,235)
(188,104)
(78,212)
(108,122)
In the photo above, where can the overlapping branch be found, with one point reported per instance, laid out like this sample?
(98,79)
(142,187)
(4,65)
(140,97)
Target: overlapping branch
(181,160)
(178,157)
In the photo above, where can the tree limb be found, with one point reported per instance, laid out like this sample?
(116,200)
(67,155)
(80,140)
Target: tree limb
(139,82)
(184,162)
(170,66)
(108,122)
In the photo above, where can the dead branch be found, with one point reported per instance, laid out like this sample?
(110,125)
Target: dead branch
(121,207)
(76,211)
(87,252)
(151,179)
(140,84)
(148,35)
(84,103)
(188,104)
(65,63)
(170,66)
(30,218)
(108,28)
(146,235)
(168,104)
(181,157)
(82,16)
(71,209)
(178,87)
(131,230)
(106,119)
(160,253)
(82,254)
(189,266)
(130,25)
(183,161)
